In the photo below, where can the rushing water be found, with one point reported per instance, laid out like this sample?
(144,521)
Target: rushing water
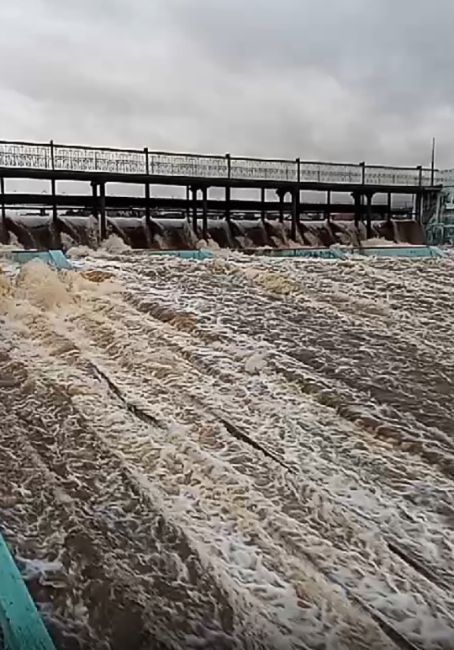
(163,233)
(236,453)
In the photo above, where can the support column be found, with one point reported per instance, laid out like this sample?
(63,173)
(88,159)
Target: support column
(295,213)
(54,200)
(188,202)
(3,229)
(194,191)
(328,206)
(227,203)
(94,190)
(147,204)
(262,202)
(389,209)
(102,212)
(205,213)
(369,197)
(281,194)
(418,204)
(358,208)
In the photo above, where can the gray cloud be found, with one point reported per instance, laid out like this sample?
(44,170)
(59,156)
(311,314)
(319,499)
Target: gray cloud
(339,79)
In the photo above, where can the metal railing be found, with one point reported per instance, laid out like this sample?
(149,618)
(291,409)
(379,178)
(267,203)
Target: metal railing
(75,158)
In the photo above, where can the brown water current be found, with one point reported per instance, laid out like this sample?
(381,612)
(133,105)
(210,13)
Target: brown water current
(235,453)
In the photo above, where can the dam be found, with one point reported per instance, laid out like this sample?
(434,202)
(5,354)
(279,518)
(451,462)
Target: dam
(279,206)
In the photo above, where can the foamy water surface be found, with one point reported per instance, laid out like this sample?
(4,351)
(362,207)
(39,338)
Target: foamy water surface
(236,453)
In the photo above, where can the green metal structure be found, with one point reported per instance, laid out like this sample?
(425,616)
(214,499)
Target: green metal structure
(440,226)
(21,625)
(345,253)
(55,258)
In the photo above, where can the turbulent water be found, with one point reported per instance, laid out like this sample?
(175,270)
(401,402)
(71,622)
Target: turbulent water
(237,453)
(31,231)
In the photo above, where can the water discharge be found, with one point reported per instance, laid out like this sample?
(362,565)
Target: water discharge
(236,453)
(32,231)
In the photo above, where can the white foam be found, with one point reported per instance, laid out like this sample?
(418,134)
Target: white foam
(291,356)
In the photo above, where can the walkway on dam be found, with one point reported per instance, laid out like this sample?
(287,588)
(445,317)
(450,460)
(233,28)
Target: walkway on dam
(197,173)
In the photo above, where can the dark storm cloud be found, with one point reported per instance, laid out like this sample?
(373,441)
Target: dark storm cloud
(339,79)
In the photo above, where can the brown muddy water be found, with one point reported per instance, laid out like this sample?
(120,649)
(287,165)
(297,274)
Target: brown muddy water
(236,453)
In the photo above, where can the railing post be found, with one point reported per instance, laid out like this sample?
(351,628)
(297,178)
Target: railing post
(432,164)
(229,165)
(296,200)
(147,188)
(227,187)
(363,172)
(419,168)
(52,156)
(53,184)
(418,203)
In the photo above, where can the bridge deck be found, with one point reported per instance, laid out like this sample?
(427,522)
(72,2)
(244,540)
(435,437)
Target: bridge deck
(116,202)
(153,179)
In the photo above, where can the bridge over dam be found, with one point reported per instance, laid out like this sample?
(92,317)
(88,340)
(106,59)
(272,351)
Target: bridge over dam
(291,184)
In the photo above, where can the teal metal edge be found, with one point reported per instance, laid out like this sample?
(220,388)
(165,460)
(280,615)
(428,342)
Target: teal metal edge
(401,251)
(55,258)
(58,259)
(22,626)
(187,255)
(322,253)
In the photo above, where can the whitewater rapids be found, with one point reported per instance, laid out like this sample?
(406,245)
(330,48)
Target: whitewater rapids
(235,453)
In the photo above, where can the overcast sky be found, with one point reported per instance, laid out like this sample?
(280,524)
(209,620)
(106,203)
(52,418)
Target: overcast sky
(320,79)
